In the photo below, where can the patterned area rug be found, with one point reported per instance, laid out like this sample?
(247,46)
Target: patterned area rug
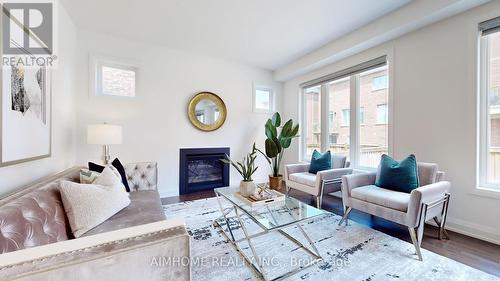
(353,252)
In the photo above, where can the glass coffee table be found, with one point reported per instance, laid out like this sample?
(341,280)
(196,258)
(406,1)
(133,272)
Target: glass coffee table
(272,217)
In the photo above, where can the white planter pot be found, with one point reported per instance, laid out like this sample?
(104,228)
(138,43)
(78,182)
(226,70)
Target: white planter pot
(247,188)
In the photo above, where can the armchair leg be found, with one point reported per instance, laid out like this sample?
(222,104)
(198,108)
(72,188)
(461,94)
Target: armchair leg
(420,233)
(319,200)
(442,231)
(415,242)
(346,214)
(287,190)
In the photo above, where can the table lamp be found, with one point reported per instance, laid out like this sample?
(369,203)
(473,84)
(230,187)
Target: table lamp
(105,135)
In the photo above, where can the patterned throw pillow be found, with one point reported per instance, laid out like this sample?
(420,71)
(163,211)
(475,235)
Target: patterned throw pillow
(87,176)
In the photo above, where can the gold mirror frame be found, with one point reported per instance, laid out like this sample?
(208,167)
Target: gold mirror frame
(218,102)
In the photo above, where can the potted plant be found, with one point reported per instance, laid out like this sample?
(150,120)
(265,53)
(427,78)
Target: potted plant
(276,143)
(246,168)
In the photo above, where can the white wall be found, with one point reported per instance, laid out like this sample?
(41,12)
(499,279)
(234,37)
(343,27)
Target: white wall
(434,109)
(63,115)
(155,123)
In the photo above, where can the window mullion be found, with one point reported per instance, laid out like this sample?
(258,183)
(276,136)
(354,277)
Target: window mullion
(324,117)
(354,126)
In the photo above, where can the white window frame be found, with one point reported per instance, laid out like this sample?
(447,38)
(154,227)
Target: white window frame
(97,62)
(484,120)
(355,127)
(261,87)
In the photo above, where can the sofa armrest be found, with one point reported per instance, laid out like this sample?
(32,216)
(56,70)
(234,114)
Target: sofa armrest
(296,168)
(333,174)
(125,254)
(142,176)
(425,194)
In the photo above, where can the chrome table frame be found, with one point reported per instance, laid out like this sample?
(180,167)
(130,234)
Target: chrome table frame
(258,268)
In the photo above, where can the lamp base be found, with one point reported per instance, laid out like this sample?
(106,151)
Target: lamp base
(107,157)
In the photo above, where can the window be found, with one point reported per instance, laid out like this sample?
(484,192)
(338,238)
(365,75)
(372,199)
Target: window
(346,117)
(312,120)
(373,136)
(382,114)
(362,115)
(489,133)
(114,79)
(357,118)
(263,99)
(339,101)
(379,83)
(331,120)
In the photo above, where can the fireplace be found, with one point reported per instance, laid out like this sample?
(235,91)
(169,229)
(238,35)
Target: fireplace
(201,169)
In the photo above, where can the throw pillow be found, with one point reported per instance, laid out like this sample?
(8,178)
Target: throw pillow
(95,167)
(398,176)
(119,167)
(88,176)
(88,205)
(320,162)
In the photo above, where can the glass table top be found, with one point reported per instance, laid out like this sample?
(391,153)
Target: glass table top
(272,215)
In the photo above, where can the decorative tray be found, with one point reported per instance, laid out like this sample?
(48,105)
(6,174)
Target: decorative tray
(273,196)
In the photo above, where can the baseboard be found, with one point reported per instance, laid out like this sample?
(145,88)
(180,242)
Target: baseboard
(164,194)
(478,231)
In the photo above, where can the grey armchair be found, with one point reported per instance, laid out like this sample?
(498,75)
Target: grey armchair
(297,177)
(429,201)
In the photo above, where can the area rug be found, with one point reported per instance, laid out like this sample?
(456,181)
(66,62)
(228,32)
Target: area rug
(353,252)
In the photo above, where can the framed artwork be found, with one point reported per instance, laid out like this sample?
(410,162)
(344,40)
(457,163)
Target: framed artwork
(25,114)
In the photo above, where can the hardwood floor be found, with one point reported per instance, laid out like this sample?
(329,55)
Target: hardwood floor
(476,253)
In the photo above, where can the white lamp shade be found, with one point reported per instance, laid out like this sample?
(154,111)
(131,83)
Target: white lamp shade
(104,134)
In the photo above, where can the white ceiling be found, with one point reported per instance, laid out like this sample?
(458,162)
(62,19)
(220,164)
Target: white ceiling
(263,33)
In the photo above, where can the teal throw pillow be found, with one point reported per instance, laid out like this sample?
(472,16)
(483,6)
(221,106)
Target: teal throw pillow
(398,176)
(320,162)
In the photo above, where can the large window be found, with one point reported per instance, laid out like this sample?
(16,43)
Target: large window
(373,134)
(312,112)
(339,102)
(489,138)
(356,115)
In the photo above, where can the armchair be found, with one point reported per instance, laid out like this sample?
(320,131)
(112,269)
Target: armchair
(429,201)
(297,177)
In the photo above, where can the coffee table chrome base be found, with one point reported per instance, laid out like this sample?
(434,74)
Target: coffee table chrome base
(257,266)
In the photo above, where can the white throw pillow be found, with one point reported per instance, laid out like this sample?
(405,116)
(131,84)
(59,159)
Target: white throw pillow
(88,205)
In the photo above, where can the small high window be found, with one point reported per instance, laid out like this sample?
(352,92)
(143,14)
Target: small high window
(114,79)
(263,99)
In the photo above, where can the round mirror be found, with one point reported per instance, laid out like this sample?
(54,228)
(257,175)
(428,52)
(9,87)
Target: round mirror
(207,111)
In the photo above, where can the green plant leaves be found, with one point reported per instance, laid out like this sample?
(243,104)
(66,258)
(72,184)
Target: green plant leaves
(271,131)
(276,143)
(285,142)
(276,119)
(295,130)
(271,148)
(246,168)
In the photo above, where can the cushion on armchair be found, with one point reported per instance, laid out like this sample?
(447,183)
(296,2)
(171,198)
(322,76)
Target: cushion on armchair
(398,176)
(320,162)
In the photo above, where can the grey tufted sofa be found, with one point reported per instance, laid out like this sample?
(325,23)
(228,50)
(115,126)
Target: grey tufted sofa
(36,242)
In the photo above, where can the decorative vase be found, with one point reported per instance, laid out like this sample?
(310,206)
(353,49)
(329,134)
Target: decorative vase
(247,188)
(275,182)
